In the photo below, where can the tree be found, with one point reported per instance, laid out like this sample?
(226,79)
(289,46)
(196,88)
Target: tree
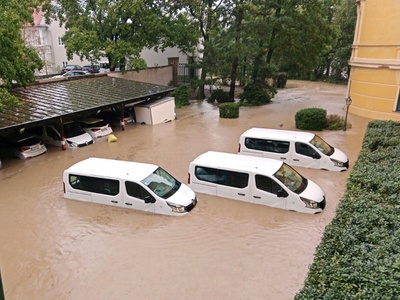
(288,34)
(120,30)
(208,16)
(345,20)
(17,61)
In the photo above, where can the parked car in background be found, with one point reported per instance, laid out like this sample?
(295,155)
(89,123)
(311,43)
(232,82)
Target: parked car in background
(113,117)
(97,128)
(91,69)
(22,146)
(70,68)
(71,74)
(75,136)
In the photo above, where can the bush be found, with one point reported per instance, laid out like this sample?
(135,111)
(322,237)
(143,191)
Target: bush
(229,110)
(280,80)
(220,96)
(336,122)
(181,95)
(311,119)
(254,94)
(359,254)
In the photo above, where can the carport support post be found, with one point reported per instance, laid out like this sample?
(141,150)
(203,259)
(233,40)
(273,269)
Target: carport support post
(122,117)
(63,145)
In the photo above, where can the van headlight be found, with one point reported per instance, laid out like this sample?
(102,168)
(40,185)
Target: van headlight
(310,203)
(337,163)
(177,208)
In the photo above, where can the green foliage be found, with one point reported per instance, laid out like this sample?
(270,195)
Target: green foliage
(136,63)
(220,96)
(17,61)
(311,119)
(120,30)
(229,110)
(336,122)
(6,99)
(359,255)
(181,95)
(255,94)
(280,79)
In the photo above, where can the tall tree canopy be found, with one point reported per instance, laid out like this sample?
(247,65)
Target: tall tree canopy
(121,29)
(17,61)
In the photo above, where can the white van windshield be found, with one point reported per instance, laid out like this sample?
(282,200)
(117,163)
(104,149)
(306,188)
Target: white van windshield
(322,146)
(162,183)
(291,179)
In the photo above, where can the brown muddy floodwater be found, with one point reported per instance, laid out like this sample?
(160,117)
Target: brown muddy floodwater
(55,248)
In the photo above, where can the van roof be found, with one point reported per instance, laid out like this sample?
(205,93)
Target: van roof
(112,168)
(279,134)
(237,162)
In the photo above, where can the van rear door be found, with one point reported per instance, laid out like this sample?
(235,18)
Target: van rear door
(234,185)
(106,191)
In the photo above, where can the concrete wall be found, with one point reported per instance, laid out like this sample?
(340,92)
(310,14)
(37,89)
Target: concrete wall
(157,75)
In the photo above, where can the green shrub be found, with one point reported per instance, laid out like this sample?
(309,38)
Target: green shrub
(359,253)
(280,79)
(181,95)
(229,110)
(336,122)
(311,119)
(220,96)
(254,94)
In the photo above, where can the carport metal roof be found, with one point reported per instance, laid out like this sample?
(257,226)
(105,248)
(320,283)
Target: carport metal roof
(68,98)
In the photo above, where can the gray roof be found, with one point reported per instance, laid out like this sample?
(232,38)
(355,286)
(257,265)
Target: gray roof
(66,98)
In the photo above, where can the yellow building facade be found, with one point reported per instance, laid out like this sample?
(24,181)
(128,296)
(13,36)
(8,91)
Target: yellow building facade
(374,81)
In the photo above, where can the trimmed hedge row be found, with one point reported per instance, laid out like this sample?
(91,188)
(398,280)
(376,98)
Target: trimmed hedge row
(359,254)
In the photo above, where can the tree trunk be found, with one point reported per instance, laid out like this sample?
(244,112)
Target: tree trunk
(235,62)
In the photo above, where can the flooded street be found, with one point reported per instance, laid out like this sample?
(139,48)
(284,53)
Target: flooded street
(56,248)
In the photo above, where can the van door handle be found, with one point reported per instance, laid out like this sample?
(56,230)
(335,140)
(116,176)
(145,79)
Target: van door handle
(295,159)
(257,197)
(241,194)
(283,158)
(113,201)
(127,203)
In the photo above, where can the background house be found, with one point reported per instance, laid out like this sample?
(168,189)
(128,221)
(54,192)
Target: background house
(47,40)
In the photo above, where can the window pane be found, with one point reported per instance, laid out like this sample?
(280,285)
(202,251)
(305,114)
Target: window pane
(223,177)
(267,145)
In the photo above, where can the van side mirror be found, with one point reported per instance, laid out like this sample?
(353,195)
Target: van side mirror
(149,199)
(282,193)
(316,155)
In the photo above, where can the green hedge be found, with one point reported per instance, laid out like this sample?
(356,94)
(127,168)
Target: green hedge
(359,254)
(220,96)
(229,110)
(311,119)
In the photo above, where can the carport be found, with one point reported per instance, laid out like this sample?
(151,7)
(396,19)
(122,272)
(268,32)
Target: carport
(71,98)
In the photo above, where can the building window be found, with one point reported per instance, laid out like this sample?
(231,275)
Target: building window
(398,102)
(60,42)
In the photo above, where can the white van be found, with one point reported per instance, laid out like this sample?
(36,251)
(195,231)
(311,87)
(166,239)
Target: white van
(128,184)
(255,180)
(296,148)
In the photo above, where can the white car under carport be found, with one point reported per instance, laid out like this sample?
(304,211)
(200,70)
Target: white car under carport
(75,136)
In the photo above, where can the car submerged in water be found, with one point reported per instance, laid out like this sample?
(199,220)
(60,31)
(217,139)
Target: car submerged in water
(75,136)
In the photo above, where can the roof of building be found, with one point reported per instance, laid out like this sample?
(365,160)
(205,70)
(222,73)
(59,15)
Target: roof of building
(73,96)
